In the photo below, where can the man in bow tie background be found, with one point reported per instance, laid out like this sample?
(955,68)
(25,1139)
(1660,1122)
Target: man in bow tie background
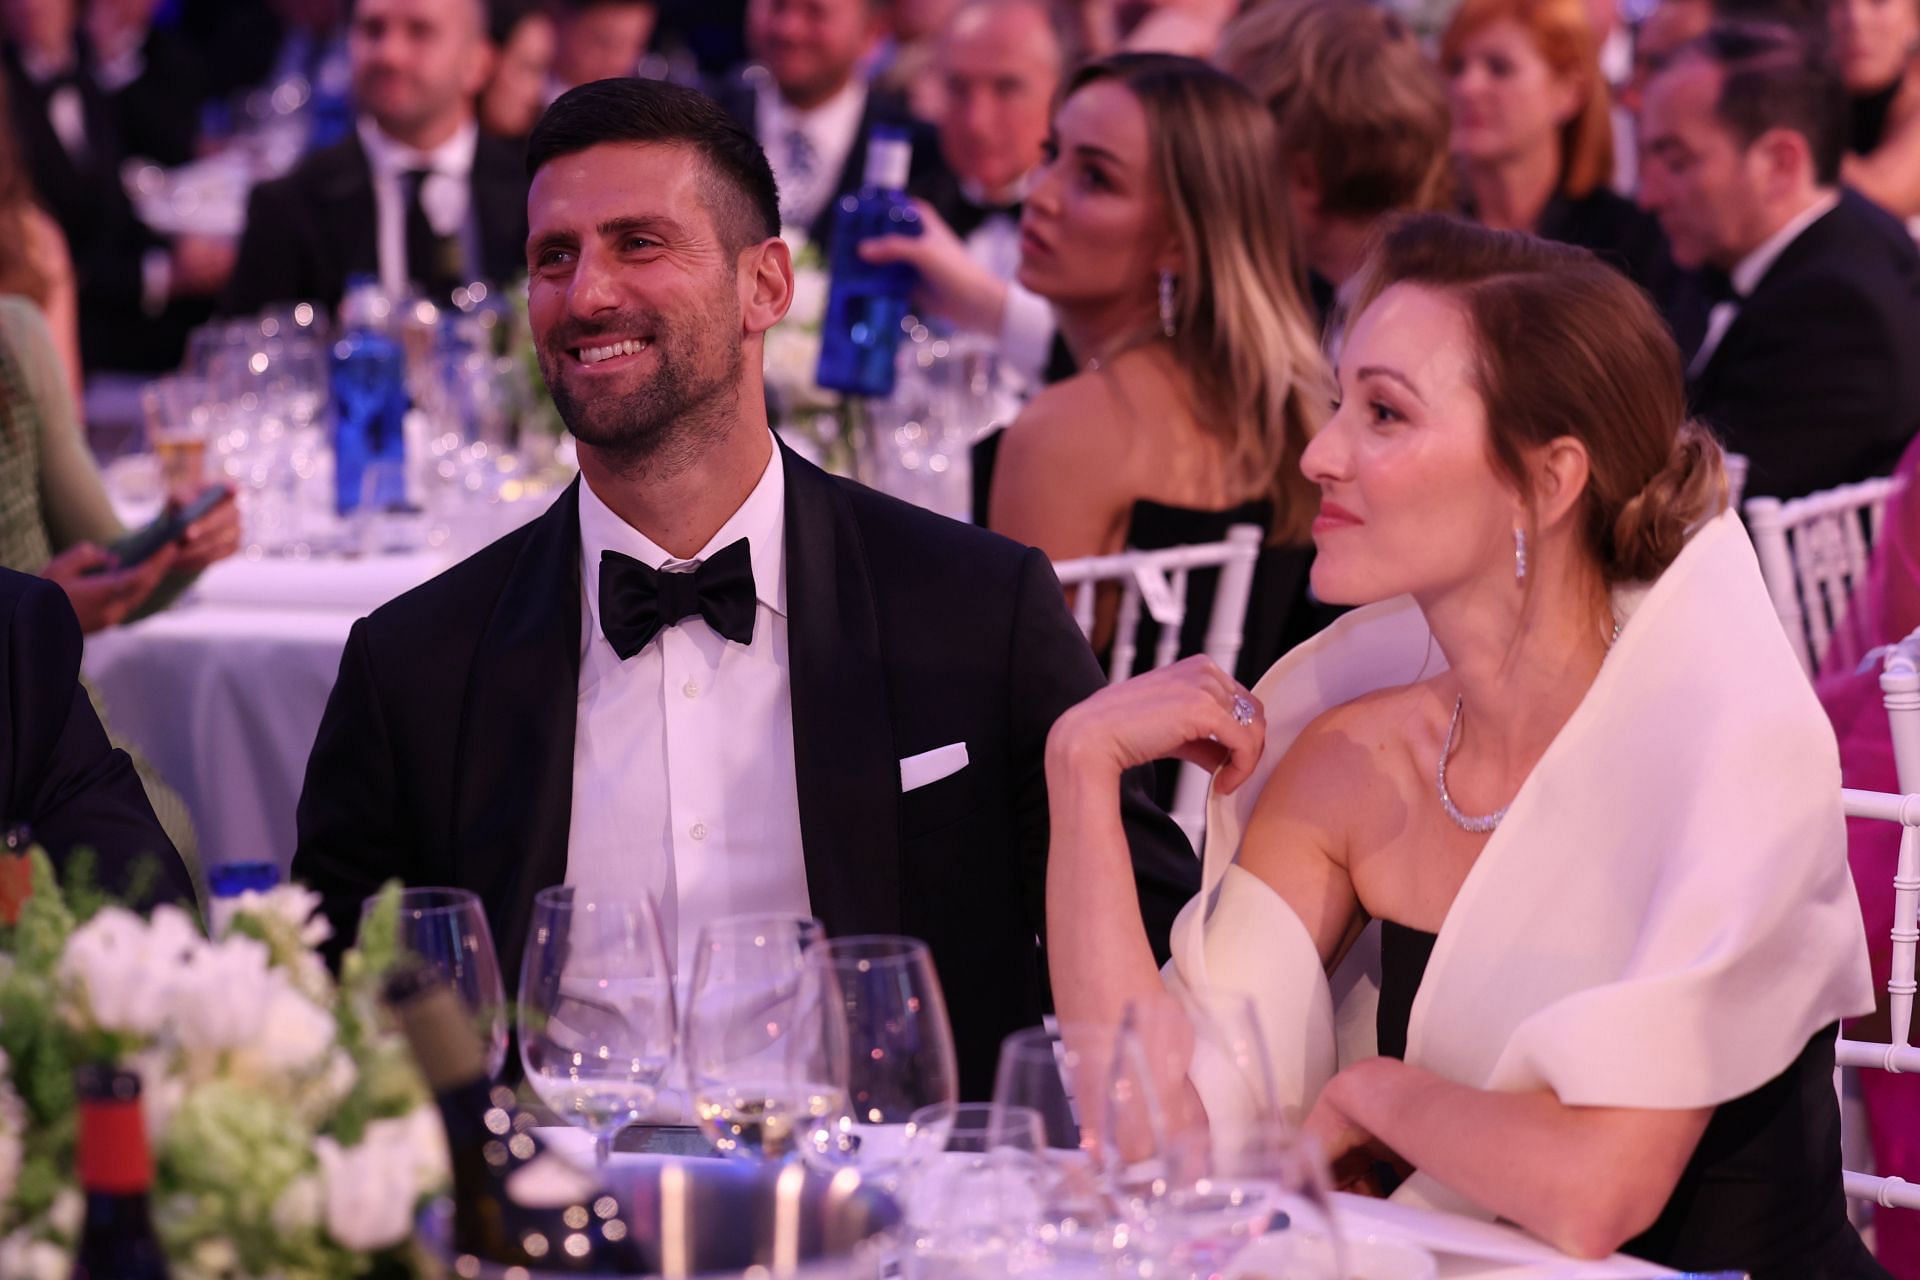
(710,671)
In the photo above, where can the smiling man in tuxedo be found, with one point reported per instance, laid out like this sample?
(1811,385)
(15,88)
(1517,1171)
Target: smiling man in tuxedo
(711,671)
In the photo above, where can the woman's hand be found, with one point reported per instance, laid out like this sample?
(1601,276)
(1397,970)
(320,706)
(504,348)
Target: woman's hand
(105,596)
(1186,711)
(212,537)
(1356,1160)
(953,287)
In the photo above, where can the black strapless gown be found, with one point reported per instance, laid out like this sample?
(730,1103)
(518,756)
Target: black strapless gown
(1762,1191)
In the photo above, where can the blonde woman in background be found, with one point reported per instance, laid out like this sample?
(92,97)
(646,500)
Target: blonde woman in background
(1158,231)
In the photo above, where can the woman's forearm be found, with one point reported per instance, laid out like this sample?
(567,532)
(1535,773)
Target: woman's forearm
(1097,947)
(1585,1179)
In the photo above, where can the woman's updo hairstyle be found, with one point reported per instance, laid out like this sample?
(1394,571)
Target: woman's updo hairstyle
(1567,346)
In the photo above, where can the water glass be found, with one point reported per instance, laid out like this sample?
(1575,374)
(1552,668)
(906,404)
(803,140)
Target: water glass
(447,929)
(972,1200)
(1193,1194)
(899,1050)
(765,1039)
(596,1017)
(179,424)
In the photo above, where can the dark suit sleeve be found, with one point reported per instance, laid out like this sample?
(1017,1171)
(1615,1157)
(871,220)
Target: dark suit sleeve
(1053,669)
(72,786)
(1815,399)
(350,841)
(267,267)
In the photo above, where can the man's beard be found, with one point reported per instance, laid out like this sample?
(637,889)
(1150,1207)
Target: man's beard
(668,419)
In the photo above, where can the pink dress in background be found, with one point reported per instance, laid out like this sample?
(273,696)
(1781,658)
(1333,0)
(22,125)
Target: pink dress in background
(1885,610)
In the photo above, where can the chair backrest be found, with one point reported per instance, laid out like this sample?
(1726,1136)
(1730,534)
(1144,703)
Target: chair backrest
(1900,686)
(1157,581)
(1814,552)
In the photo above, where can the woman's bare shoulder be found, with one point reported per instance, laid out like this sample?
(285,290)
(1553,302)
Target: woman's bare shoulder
(1346,756)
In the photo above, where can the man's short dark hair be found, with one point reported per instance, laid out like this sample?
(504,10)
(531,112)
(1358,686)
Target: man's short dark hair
(1776,77)
(741,196)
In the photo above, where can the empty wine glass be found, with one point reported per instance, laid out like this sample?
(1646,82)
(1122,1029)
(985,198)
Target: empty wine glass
(899,1050)
(972,1198)
(1193,1193)
(447,929)
(597,1027)
(765,1042)
(1060,1074)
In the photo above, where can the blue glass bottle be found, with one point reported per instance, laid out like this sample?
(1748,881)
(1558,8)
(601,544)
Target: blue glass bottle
(369,381)
(867,301)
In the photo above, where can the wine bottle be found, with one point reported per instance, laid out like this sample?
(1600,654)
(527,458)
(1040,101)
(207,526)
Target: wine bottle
(515,1204)
(116,1175)
(867,301)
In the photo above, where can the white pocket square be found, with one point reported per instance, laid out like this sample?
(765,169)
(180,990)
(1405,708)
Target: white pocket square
(931,766)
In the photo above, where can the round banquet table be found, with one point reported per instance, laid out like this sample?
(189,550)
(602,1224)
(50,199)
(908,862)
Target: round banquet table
(223,693)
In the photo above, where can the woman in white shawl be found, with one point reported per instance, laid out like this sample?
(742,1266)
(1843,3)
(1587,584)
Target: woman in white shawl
(1568,761)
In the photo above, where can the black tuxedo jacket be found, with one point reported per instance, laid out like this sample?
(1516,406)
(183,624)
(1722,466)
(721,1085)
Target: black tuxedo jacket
(446,752)
(104,235)
(309,231)
(1817,380)
(61,775)
(927,178)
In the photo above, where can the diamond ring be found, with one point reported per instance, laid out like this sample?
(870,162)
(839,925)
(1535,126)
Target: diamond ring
(1242,710)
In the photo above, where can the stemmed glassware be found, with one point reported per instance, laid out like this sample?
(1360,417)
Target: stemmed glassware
(447,929)
(1194,1194)
(596,1018)
(765,1040)
(969,1200)
(900,1055)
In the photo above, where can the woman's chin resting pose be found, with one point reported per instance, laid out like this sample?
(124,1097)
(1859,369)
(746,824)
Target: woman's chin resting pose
(1565,759)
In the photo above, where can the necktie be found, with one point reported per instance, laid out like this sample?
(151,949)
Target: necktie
(797,182)
(433,260)
(635,601)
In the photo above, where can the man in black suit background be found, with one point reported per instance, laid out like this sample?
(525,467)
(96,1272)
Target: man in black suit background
(138,293)
(1808,366)
(805,96)
(711,671)
(415,195)
(58,773)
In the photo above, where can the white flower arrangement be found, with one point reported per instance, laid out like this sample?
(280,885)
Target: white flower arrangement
(291,1137)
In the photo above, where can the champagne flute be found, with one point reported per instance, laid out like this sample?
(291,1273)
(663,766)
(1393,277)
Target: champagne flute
(899,1051)
(597,1027)
(447,929)
(765,1040)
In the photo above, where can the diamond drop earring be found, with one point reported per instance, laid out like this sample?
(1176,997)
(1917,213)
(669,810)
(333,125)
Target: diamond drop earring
(1519,555)
(1166,303)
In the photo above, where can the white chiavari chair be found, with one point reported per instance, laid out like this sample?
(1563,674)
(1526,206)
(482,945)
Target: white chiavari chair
(1900,686)
(1813,552)
(1157,582)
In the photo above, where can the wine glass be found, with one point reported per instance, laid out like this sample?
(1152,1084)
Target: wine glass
(1193,1193)
(899,1051)
(765,1041)
(972,1199)
(597,1027)
(1060,1074)
(447,929)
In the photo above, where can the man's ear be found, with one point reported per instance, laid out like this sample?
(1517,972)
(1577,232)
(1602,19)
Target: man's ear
(766,284)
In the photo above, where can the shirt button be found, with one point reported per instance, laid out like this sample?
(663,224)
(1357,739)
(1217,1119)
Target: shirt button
(698,831)
(691,688)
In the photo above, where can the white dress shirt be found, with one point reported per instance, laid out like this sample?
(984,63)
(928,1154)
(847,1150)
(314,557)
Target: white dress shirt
(826,134)
(446,195)
(683,780)
(1026,321)
(1750,271)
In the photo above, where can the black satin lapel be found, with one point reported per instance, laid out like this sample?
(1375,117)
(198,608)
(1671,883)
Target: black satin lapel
(843,748)
(514,774)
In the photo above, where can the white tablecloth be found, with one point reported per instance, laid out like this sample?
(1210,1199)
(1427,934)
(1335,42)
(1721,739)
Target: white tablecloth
(223,693)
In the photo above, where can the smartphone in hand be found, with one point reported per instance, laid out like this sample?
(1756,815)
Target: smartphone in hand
(145,542)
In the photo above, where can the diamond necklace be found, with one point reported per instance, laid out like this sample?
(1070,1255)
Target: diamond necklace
(1486,822)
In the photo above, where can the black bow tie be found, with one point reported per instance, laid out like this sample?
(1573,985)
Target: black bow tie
(635,601)
(1717,285)
(969,217)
